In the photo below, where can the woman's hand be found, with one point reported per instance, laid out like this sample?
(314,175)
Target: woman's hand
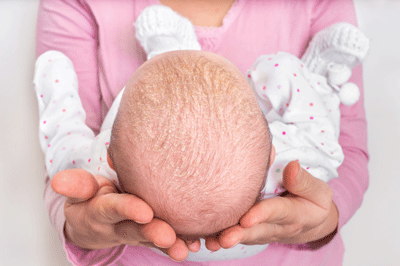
(98,217)
(306,214)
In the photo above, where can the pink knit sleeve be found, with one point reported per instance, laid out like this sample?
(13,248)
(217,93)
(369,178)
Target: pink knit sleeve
(350,186)
(68,26)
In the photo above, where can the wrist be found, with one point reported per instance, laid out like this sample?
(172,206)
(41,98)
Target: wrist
(67,233)
(70,236)
(330,229)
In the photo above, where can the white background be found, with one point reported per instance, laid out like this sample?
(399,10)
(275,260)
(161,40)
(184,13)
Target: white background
(372,237)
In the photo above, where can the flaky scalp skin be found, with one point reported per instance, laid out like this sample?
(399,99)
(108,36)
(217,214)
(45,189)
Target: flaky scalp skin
(190,139)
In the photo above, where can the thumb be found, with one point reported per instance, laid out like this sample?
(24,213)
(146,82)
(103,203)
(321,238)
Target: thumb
(301,183)
(76,184)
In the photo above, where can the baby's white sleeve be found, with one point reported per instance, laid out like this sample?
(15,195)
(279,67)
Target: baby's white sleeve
(302,113)
(64,136)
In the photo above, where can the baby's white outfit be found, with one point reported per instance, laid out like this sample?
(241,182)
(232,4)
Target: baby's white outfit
(303,114)
(65,139)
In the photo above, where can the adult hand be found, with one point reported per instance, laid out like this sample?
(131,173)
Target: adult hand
(305,214)
(99,217)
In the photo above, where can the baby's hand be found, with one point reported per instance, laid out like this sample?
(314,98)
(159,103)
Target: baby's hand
(98,217)
(306,214)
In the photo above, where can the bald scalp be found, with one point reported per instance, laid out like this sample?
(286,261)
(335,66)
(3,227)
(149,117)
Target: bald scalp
(190,139)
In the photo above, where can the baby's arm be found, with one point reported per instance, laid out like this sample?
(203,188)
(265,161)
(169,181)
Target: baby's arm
(64,137)
(302,126)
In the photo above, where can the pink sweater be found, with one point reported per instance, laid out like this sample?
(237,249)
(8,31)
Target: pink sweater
(98,36)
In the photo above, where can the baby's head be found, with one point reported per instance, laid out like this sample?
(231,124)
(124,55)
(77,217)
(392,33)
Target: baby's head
(190,140)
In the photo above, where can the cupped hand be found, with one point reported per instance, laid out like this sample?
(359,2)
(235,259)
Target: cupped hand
(99,217)
(304,215)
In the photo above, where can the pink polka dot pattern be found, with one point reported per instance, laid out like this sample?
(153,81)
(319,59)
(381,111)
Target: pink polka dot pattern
(305,110)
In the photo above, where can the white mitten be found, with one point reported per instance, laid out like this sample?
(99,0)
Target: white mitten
(159,29)
(340,43)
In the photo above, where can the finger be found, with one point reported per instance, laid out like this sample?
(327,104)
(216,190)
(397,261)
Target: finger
(113,208)
(273,210)
(193,245)
(301,183)
(212,244)
(156,234)
(105,182)
(263,233)
(231,237)
(179,251)
(159,232)
(77,184)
